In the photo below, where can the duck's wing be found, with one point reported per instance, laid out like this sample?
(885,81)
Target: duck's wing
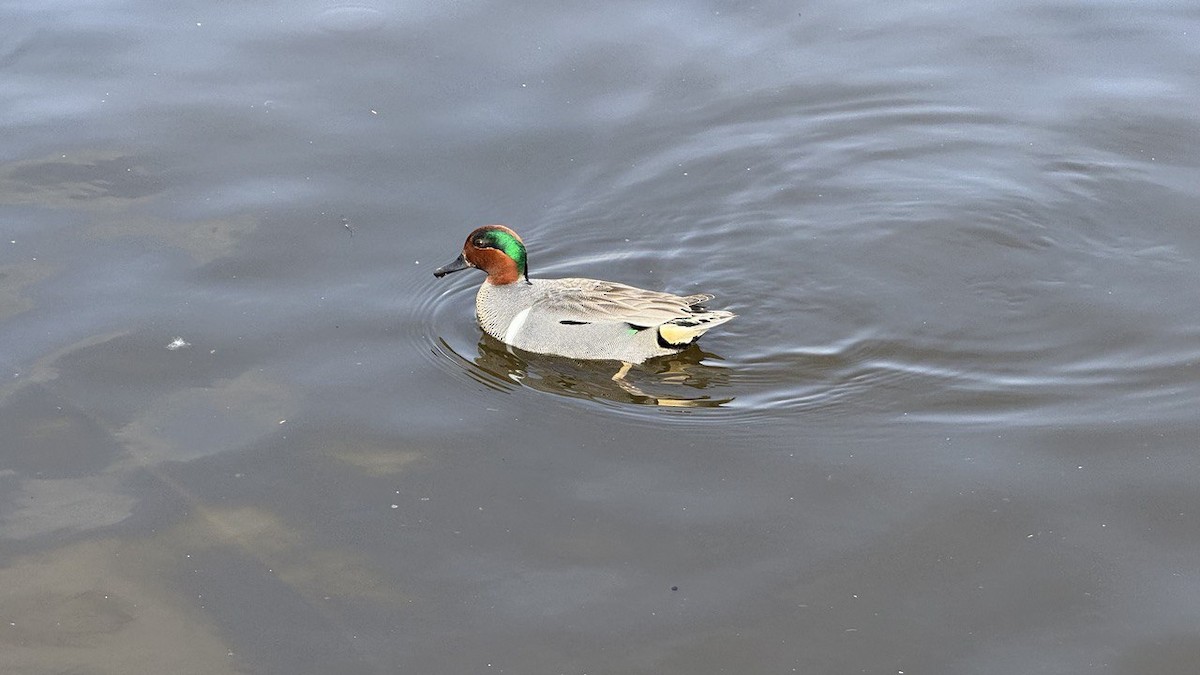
(595,301)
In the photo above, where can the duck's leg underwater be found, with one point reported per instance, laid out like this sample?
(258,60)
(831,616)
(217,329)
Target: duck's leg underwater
(629,387)
(625,366)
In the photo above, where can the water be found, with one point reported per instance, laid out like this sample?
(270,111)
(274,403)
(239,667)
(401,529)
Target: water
(952,430)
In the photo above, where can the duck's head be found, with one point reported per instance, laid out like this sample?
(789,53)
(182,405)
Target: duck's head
(495,249)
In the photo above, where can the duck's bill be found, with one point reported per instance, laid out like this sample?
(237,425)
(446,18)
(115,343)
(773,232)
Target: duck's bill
(460,263)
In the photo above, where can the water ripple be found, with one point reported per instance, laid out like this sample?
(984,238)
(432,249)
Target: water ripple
(886,254)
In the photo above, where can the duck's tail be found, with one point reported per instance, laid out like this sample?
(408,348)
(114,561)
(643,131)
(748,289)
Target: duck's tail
(686,330)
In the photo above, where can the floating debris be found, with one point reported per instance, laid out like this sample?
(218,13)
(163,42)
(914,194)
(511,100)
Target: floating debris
(178,343)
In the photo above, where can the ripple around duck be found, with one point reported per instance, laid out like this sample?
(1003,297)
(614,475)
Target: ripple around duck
(878,378)
(942,382)
(838,220)
(443,330)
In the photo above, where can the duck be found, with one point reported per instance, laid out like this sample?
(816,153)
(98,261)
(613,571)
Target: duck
(576,318)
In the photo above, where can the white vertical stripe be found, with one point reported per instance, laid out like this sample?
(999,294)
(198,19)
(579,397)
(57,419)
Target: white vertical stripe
(514,326)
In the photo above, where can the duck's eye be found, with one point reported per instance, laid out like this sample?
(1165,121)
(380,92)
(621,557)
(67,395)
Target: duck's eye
(479,243)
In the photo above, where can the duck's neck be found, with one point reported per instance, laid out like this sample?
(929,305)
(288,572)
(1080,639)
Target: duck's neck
(509,275)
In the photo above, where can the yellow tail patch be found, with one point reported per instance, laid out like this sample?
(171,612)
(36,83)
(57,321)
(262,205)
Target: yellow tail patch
(679,335)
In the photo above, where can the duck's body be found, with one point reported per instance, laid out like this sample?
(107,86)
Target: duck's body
(576,318)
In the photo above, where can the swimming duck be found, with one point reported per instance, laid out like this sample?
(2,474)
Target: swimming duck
(576,318)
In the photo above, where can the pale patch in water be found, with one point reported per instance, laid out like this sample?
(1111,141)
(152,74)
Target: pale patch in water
(178,343)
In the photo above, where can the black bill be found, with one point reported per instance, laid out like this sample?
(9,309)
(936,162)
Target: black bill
(460,263)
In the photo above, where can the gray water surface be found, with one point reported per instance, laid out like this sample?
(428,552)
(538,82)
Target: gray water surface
(953,430)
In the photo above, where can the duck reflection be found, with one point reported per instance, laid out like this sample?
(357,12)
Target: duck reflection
(668,381)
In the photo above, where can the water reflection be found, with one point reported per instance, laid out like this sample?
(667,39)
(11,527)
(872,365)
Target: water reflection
(953,429)
(669,381)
